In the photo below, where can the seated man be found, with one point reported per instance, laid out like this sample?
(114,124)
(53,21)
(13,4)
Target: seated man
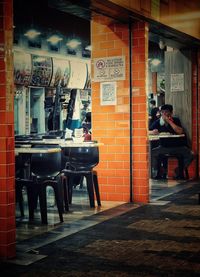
(154,112)
(172,146)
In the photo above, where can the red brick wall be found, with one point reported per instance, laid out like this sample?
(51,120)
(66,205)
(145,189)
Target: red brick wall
(111,124)
(7,190)
(198,110)
(140,115)
(192,168)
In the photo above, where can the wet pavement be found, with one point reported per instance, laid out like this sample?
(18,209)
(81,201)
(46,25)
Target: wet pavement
(158,239)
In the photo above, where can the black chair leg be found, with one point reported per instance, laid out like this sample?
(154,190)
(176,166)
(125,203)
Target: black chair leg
(43,204)
(90,189)
(70,188)
(66,194)
(31,195)
(19,197)
(96,187)
(81,182)
(186,174)
(180,166)
(59,201)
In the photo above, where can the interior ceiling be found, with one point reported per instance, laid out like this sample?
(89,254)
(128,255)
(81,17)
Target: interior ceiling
(85,9)
(171,38)
(72,8)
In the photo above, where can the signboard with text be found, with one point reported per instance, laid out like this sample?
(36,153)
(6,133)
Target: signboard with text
(109,69)
(108,93)
(177,82)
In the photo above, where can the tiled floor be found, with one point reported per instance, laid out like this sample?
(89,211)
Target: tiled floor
(160,188)
(79,216)
(161,238)
(31,236)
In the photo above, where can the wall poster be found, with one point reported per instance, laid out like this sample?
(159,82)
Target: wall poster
(109,68)
(177,82)
(108,93)
(61,73)
(22,68)
(78,75)
(41,70)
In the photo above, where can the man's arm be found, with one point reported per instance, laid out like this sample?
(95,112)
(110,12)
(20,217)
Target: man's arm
(153,129)
(175,124)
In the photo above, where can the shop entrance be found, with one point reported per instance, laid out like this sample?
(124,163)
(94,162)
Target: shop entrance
(170,82)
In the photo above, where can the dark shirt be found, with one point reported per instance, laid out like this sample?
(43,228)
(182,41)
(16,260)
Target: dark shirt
(153,114)
(166,128)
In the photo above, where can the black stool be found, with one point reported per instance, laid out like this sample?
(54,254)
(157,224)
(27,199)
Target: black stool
(31,195)
(22,167)
(46,168)
(179,157)
(80,162)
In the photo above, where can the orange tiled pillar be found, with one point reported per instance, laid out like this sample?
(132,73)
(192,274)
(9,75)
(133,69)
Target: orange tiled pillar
(7,189)
(192,167)
(140,114)
(198,110)
(111,124)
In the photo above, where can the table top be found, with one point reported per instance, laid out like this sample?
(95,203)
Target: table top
(164,135)
(61,142)
(35,150)
(80,144)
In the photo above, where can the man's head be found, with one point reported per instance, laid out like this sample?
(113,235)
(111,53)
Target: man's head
(166,108)
(152,102)
(166,111)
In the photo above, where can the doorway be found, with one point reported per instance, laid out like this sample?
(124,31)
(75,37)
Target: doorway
(169,82)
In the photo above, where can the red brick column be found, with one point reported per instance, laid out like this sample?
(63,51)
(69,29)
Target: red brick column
(140,114)
(198,110)
(111,124)
(192,167)
(7,166)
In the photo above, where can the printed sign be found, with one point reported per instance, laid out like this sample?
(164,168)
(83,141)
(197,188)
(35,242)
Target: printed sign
(177,82)
(108,93)
(109,69)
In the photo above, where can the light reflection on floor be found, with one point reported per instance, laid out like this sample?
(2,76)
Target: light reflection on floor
(30,237)
(160,188)
(78,217)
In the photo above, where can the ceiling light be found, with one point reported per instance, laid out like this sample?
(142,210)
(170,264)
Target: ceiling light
(155,62)
(73,43)
(31,34)
(54,39)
